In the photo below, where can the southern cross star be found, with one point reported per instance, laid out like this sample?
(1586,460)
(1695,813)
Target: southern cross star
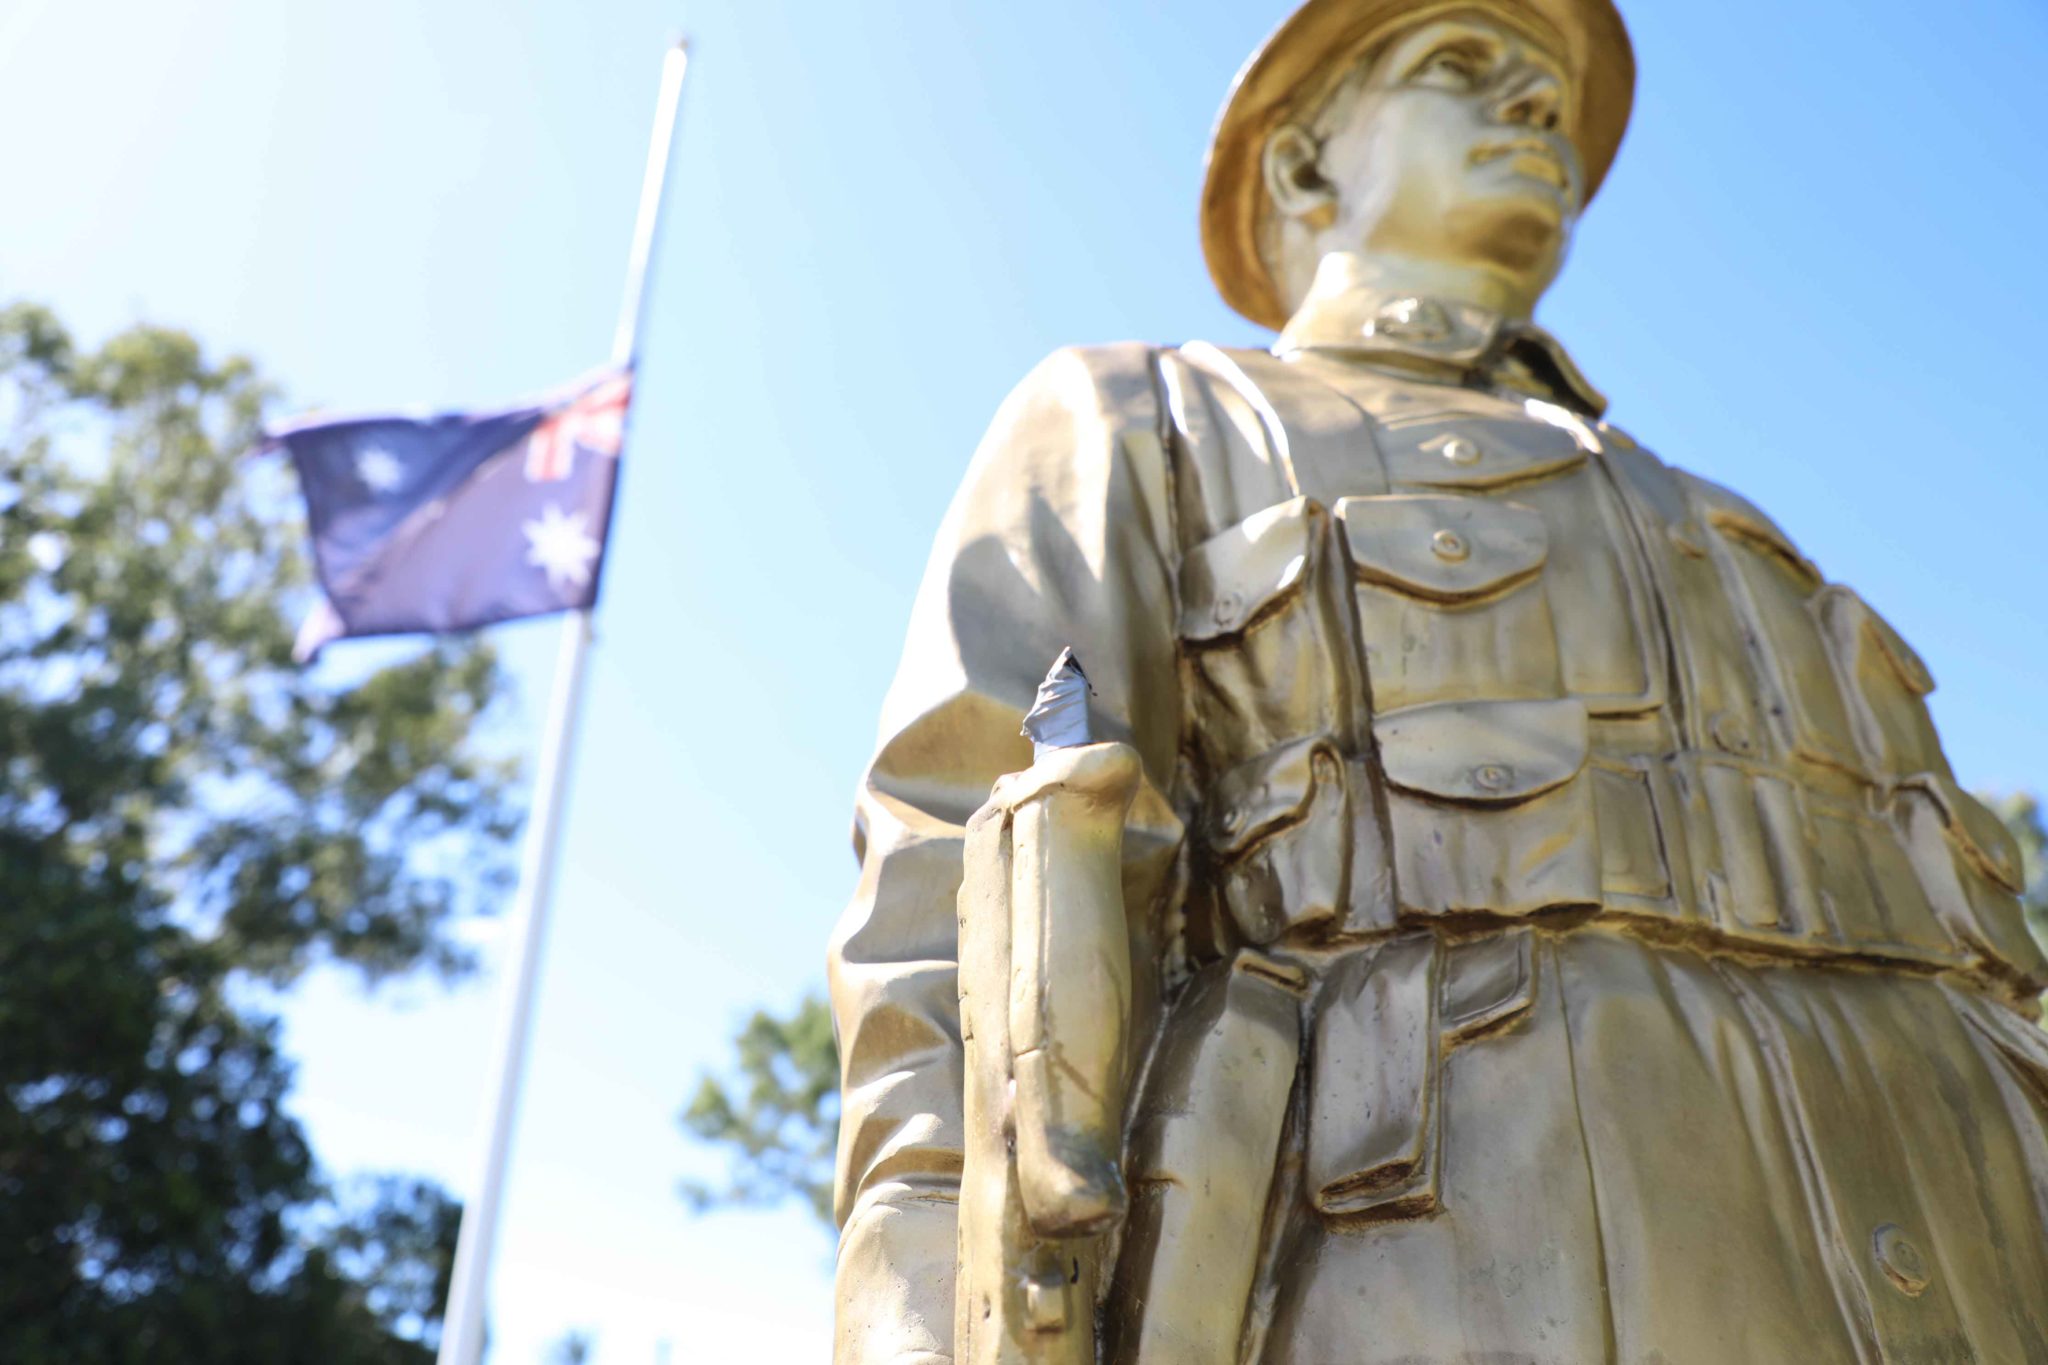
(379,469)
(560,545)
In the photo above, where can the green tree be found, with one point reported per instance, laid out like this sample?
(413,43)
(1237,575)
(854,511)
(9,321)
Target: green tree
(2021,812)
(574,1347)
(188,821)
(776,1114)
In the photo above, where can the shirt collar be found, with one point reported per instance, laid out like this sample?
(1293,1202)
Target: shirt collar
(1455,340)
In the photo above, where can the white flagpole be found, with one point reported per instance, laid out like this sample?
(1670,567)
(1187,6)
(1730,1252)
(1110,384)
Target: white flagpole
(462,1329)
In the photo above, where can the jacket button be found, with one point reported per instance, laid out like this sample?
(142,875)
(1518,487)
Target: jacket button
(1449,545)
(1492,777)
(1231,821)
(1227,608)
(1458,450)
(1899,1259)
(1729,732)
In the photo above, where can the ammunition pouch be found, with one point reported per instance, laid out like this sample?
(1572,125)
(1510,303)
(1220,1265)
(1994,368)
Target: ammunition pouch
(1384,1020)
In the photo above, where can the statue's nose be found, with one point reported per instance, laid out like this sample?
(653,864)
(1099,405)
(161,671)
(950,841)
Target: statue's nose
(1534,101)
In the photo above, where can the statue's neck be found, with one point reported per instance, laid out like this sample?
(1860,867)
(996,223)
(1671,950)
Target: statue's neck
(1351,288)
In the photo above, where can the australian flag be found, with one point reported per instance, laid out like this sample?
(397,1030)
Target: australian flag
(457,521)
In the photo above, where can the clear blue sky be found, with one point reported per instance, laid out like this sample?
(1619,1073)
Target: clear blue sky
(1816,274)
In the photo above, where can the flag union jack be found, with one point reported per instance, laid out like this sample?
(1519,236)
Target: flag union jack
(596,421)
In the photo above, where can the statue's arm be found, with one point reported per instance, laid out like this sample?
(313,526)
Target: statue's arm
(1061,536)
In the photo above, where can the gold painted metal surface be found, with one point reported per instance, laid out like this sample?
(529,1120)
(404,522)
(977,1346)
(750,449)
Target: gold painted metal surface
(1318,45)
(1045,992)
(1520,911)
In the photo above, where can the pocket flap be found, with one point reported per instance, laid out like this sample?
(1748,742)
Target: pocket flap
(1854,626)
(1374,1115)
(1489,752)
(1462,451)
(1488,982)
(1269,791)
(1734,515)
(1976,830)
(1231,578)
(1446,548)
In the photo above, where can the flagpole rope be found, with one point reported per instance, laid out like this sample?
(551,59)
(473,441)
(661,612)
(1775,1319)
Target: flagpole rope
(462,1331)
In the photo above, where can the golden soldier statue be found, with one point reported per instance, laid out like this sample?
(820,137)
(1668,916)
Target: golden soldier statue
(1513,908)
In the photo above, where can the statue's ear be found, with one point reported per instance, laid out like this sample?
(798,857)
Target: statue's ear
(1294,176)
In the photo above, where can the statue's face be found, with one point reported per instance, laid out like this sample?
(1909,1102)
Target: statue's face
(1445,149)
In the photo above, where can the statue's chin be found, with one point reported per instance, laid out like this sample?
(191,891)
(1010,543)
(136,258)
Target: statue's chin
(1522,235)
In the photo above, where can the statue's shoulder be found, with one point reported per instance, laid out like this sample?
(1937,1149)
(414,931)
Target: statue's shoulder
(1129,369)
(1078,415)
(1732,514)
(1104,375)
(1695,497)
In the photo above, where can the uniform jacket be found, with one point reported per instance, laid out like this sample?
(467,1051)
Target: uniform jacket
(1407,637)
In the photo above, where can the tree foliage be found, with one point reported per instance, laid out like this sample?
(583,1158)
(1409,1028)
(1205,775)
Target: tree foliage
(186,818)
(573,1347)
(2021,812)
(776,1114)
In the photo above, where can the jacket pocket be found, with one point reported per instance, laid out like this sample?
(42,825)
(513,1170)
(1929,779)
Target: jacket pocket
(1749,850)
(1450,601)
(1971,868)
(1384,1022)
(1490,807)
(1632,804)
(1778,589)
(1885,683)
(1373,1122)
(1202,1157)
(1464,450)
(1263,646)
(1867,888)
(1292,843)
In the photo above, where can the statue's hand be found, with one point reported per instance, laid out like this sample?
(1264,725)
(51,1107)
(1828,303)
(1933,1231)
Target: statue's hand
(1074,1188)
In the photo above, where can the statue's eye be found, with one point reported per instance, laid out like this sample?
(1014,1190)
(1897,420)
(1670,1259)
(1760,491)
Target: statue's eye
(1453,68)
